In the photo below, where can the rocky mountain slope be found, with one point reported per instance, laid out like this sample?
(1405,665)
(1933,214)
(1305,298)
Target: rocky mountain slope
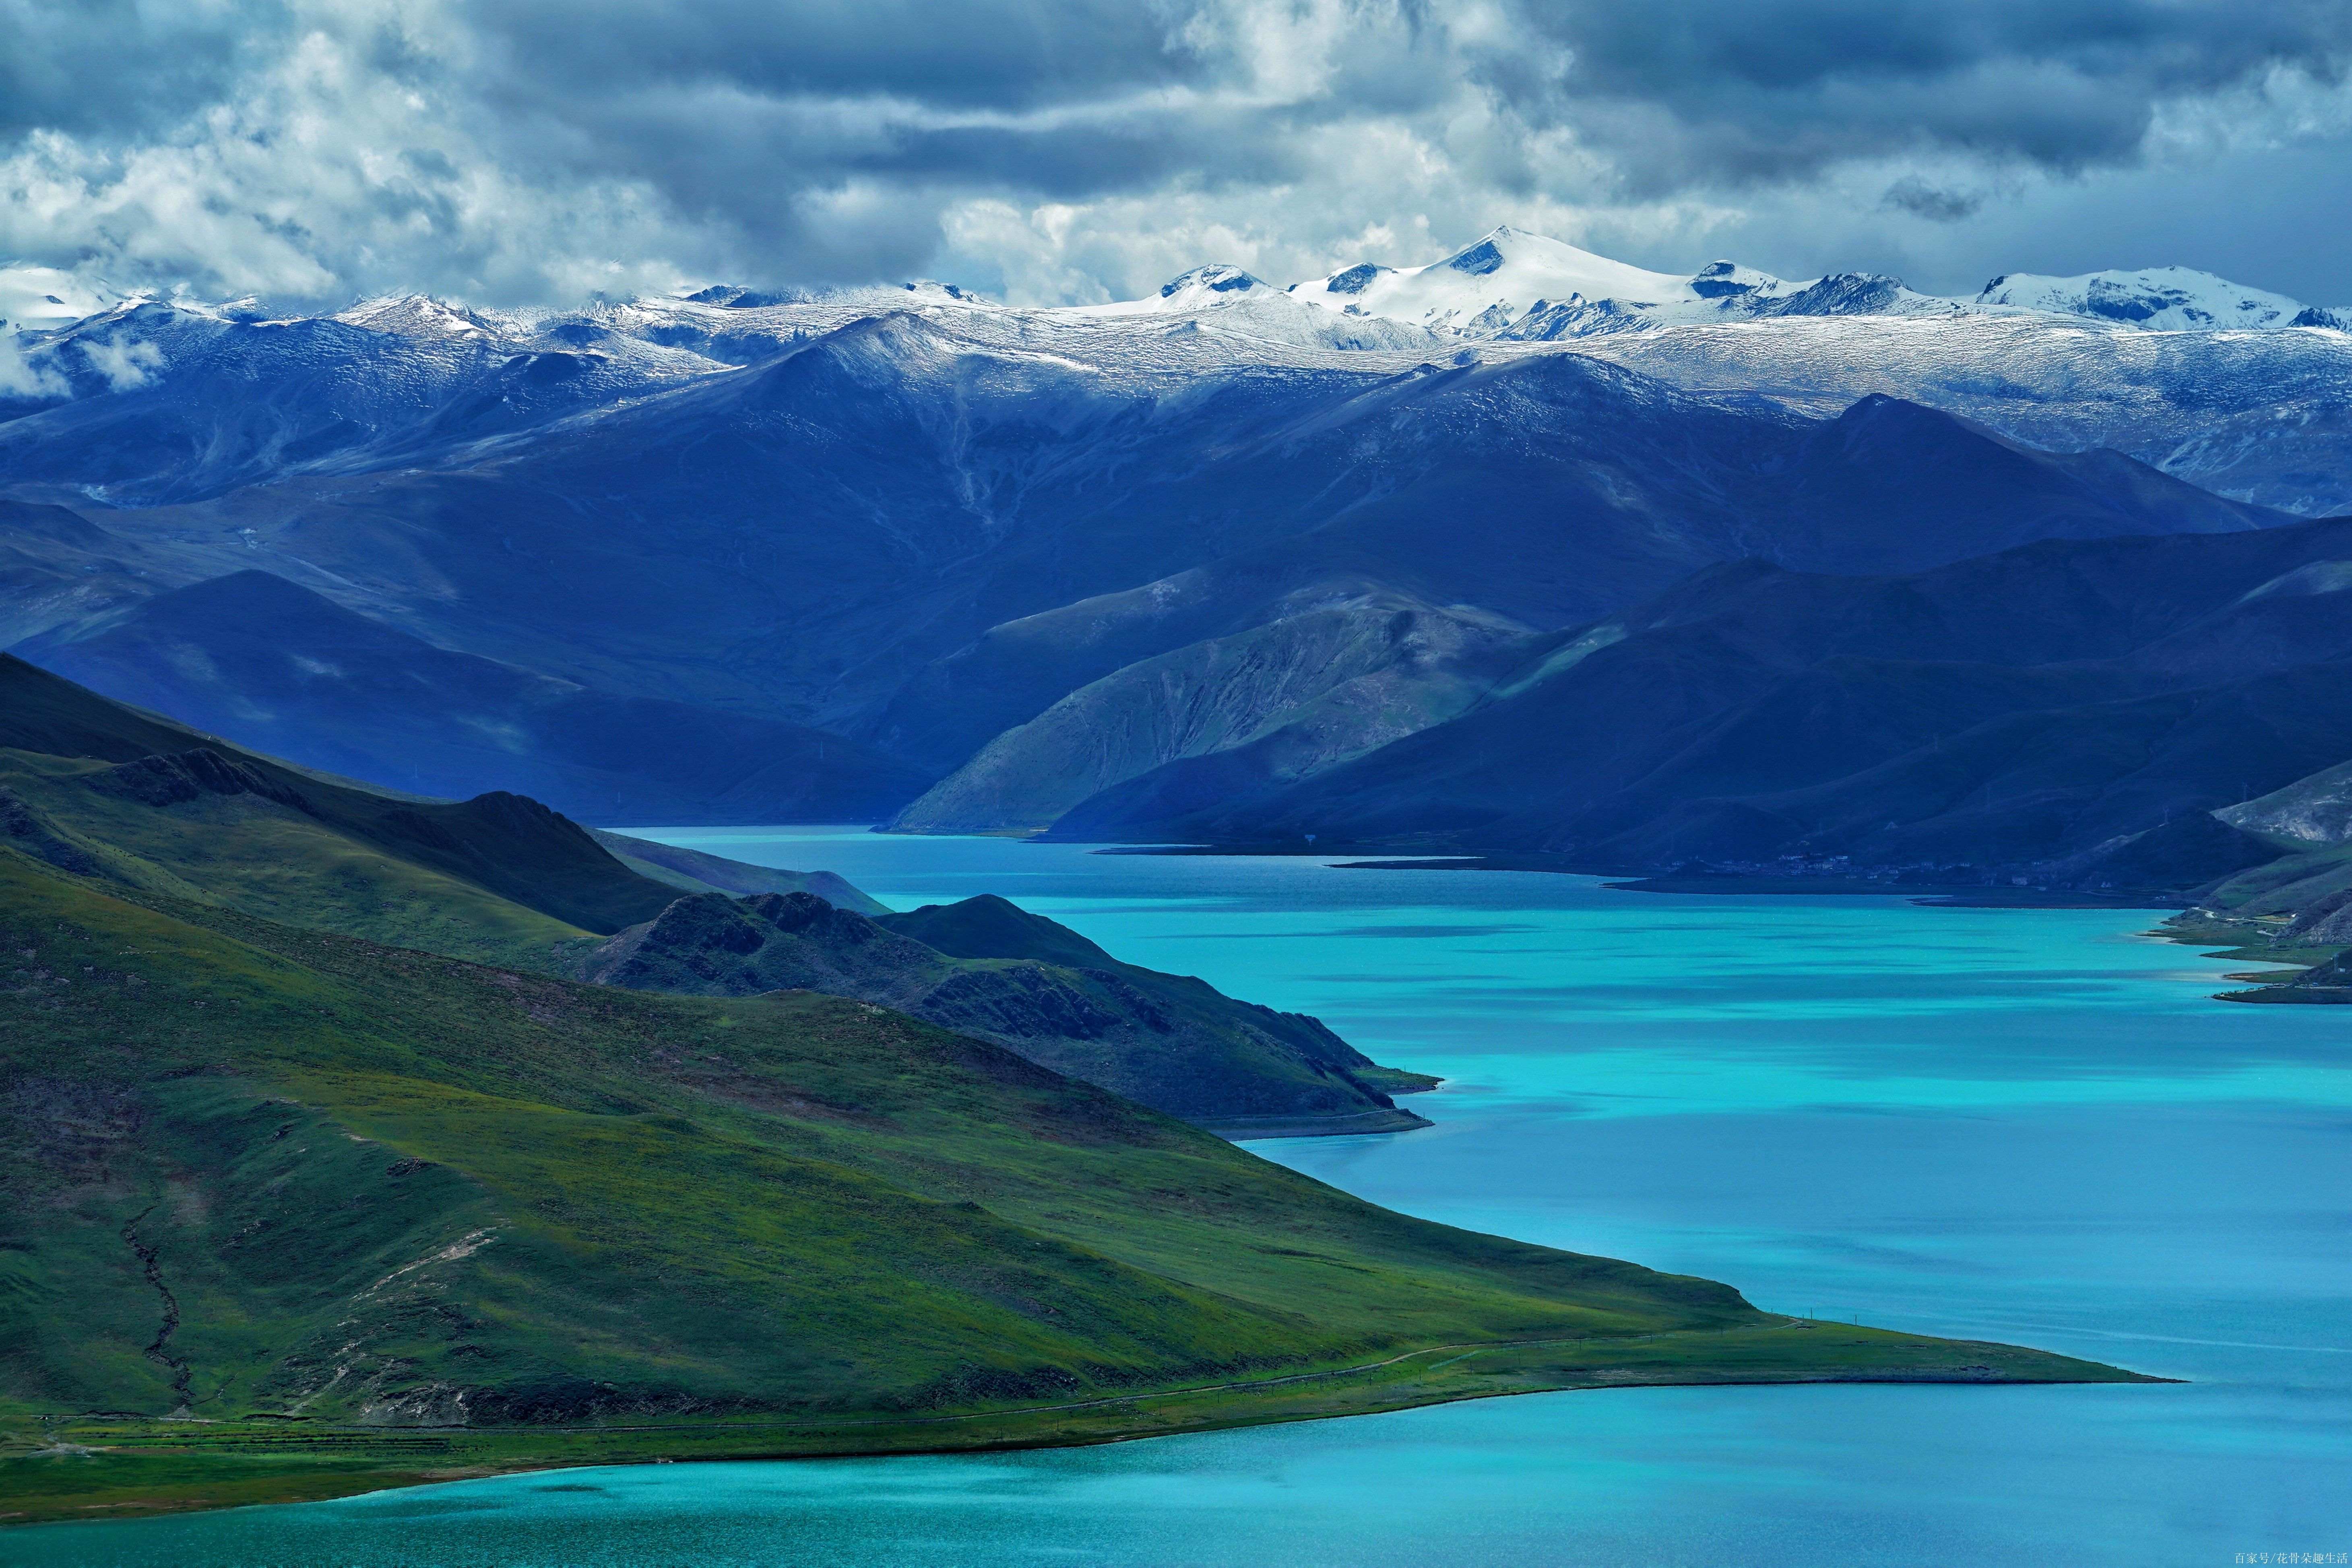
(2295,908)
(697,872)
(2065,713)
(292,672)
(2314,812)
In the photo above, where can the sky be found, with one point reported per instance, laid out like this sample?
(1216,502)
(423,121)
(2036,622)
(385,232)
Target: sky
(1042,151)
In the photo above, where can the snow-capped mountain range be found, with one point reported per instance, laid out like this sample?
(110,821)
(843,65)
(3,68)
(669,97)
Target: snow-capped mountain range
(1512,284)
(2239,390)
(1245,532)
(1507,286)
(2242,390)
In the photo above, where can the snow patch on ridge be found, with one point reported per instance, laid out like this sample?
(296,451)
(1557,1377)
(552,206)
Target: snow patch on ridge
(2154,299)
(1508,270)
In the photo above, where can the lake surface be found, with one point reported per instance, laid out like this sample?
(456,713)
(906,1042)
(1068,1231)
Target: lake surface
(2027,1125)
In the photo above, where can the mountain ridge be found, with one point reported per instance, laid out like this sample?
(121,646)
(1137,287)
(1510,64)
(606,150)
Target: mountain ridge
(299,676)
(2031,715)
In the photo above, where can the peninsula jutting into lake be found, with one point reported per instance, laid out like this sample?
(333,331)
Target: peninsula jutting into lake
(403,1190)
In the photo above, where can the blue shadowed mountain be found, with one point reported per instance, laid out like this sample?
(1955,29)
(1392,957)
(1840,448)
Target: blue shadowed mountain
(2069,710)
(286,671)
(1024,558)
(924,541)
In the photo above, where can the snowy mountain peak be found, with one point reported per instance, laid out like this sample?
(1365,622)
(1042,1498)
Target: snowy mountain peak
(1205,285)
(417,316)
(1487,284)
(1722,280)
(2155,298)
(1226,300)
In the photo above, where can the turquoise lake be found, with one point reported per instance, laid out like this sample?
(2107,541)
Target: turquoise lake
(2024,1125)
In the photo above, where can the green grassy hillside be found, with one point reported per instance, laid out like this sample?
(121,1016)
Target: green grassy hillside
(303,1189)
(501,879)
(261,855)
(505,846)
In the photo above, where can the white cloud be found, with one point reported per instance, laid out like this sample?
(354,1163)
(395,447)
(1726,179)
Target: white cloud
(126,364)
(513,151)
(21,376)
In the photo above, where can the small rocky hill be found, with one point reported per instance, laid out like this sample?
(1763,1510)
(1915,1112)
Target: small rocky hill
(989,970)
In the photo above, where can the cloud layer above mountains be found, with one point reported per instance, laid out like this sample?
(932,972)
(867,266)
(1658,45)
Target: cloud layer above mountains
(512,151)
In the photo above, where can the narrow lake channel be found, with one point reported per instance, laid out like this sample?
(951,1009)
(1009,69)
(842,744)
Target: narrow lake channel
(2023,1125)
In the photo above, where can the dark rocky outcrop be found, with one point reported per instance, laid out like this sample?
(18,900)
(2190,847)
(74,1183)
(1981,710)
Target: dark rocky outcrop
(184,776)
(990,970)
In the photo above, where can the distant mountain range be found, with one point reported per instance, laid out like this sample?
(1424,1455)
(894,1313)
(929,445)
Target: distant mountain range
(2068,712)
(1514,285)
(910,555)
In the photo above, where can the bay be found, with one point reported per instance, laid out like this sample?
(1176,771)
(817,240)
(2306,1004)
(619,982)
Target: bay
(2027,1125)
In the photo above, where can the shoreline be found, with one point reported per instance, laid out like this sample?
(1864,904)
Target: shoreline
(1638,879)
(63,1467)
(163,1467)
(2282,982)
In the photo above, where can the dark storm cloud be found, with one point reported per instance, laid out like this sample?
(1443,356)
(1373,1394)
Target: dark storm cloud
(1674,97)
(1724,94)
(120,66)
(1937,204)
(524,148)
(1007,55)
(738,104)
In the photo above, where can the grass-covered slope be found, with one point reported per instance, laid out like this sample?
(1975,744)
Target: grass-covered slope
(259,1174)
(502,880)
(259,855)
(157,801)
